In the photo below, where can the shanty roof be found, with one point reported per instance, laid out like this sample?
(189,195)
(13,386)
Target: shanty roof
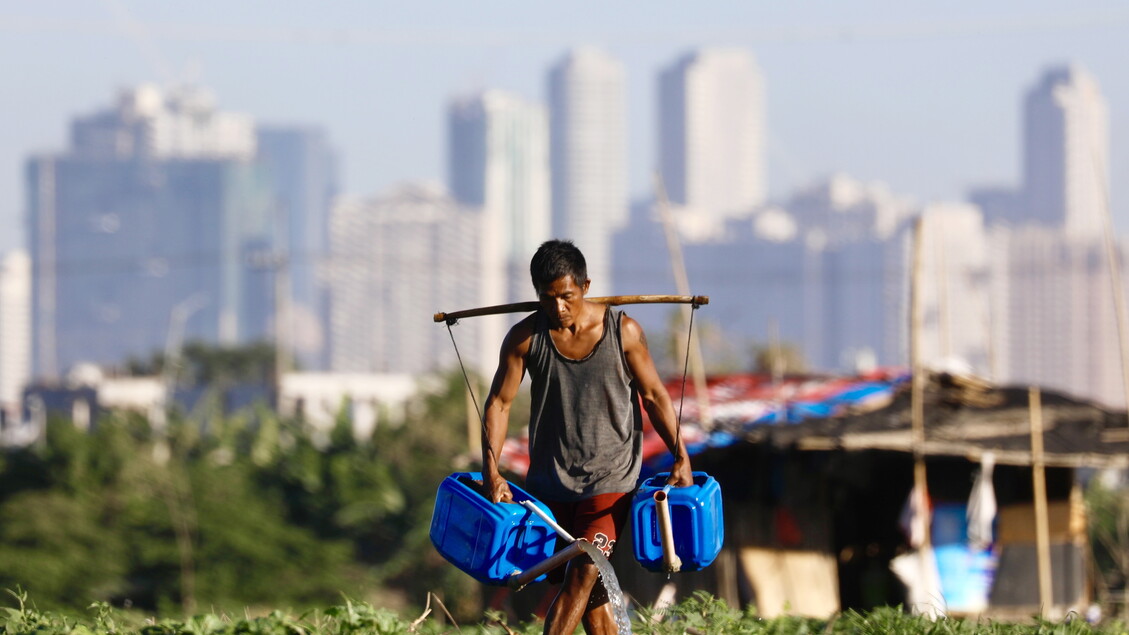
(963,416)
(966,417)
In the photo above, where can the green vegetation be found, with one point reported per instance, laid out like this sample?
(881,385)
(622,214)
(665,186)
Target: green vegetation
(203,364)
(699,614)
(230,512)
(253,523)
(1108,523)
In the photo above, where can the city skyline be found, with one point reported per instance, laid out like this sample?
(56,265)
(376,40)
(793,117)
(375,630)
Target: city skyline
(588,163)
(933,121)
(827,253)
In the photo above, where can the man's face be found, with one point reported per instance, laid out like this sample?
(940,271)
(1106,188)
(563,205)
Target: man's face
(562,301)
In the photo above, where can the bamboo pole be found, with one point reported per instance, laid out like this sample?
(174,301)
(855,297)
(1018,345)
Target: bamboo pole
(682,283)
(1039,485)
(917,386)
(533,305)
(944,312)
(777,365)
(1112,262)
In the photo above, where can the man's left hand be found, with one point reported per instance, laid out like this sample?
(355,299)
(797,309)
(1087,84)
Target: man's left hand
(680,473)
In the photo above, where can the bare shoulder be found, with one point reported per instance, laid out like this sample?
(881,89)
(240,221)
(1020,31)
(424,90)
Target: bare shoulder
(632,333)
(517,340)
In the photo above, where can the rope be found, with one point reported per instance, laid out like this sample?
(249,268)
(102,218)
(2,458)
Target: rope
(470,389)
(681,398)
(682,394)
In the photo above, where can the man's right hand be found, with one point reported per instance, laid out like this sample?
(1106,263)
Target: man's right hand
(499,490)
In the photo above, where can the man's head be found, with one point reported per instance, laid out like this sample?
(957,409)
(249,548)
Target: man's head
(560,277)
(556,259)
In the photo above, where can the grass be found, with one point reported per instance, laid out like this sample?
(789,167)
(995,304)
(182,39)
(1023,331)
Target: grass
(698,615)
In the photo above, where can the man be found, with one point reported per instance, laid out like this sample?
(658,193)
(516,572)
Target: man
(589,367)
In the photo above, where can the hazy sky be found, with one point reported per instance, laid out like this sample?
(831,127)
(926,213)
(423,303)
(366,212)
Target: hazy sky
(923,96)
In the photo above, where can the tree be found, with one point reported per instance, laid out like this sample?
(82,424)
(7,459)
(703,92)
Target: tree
(205,364)
(721,351)
(1109,535)
(779,359)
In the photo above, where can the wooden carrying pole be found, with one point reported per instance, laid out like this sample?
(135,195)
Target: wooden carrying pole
(1039,485)
(611,300)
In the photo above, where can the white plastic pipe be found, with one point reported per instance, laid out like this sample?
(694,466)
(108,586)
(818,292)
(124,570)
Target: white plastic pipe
(519,580)
(671,561)
(531,506)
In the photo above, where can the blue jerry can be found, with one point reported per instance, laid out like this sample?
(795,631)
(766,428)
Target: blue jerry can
(489,541)
(696,519)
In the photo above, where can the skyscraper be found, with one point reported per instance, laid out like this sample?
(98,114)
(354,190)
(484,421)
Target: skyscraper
(15,331)
(1066,152)
(712,132)
(954,287)
(1051,295)
(397,259)
(303,171)
(1052,311)
(156,205)
(587,129)
(499,162)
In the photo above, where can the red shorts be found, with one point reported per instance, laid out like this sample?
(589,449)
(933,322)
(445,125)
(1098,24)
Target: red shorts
(598,519)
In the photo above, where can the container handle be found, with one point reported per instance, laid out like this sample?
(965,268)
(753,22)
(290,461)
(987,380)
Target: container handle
(531,506)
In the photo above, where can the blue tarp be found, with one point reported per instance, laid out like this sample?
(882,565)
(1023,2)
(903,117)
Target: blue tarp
(789,412)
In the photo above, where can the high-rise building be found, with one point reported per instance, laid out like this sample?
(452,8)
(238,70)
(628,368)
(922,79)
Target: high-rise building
(396,260)
(587,133)
(1000,205)
(156,213)
(15,331)
(825,274)
(712,132)
(852,276)
(499,162)
(1053,313)
(954,289)
(1066,152)
(182,123)
(302,167)
(858,317)
(845,209)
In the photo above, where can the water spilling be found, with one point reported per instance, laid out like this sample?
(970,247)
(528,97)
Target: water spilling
(611,583)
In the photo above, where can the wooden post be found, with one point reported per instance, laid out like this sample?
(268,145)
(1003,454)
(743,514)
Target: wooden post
(1039,486)
(1112,262)
(775,351)
(944,316)
(917,387)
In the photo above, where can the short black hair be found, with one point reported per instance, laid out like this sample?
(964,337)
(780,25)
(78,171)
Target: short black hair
(554,260)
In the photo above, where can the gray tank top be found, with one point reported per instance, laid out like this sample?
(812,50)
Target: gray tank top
(585,425)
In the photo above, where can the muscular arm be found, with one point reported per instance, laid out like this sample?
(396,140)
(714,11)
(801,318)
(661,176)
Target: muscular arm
(656,400)
(496,415)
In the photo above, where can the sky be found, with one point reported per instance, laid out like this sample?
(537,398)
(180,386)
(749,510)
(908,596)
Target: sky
(924,96)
